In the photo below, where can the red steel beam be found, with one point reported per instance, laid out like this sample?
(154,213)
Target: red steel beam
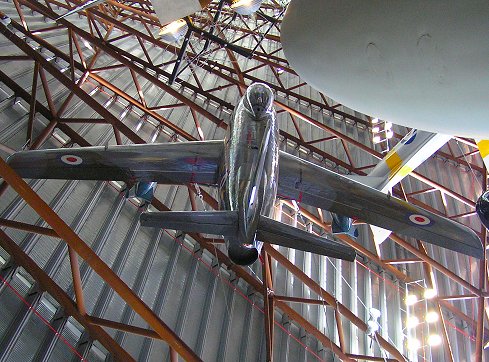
(74,241)
(329,299)
(77,283)
(123,327)
(61,297)
(28,227)
(32,108)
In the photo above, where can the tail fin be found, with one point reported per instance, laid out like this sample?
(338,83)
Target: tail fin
(225,223)
(278,233)
(408,154)
(483,146)
(207,222)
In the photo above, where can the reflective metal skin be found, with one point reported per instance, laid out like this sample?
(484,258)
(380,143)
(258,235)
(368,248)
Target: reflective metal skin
(482,208)
(251,166)
(250,171)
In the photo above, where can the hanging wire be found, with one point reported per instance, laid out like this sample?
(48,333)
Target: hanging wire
(470,166)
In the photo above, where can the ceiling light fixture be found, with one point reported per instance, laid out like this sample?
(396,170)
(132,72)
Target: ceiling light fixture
(246,7)
(174,31)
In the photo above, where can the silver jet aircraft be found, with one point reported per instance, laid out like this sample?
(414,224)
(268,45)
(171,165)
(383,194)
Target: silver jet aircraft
(250,172)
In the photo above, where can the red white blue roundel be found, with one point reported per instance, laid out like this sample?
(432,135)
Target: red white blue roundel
(71,160)
(420,220)
(410,139)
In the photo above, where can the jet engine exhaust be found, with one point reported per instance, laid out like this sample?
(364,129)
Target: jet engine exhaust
(482,208)
(242,254)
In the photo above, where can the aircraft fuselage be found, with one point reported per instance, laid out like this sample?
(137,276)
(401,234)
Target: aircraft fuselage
(250,170)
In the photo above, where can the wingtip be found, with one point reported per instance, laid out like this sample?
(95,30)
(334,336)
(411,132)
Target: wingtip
(476,249)
(352,256)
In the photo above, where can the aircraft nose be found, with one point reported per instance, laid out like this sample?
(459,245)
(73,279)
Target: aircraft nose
(259,99)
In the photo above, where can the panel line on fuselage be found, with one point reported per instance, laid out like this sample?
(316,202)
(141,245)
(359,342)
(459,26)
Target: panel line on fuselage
(251,163)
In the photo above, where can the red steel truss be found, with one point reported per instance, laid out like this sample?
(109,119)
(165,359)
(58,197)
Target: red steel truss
(114,21)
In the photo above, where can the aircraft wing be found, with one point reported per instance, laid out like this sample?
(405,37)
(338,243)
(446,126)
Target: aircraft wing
(314,185)
(165,163)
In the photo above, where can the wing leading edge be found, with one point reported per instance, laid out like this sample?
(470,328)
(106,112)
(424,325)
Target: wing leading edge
(167,163)
(316,186)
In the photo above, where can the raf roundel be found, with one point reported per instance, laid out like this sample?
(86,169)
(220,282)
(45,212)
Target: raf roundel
(411,139)
(419,220)
(71,160)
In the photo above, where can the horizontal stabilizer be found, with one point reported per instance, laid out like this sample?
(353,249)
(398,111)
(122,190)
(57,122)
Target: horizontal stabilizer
(207,222)
(275,232)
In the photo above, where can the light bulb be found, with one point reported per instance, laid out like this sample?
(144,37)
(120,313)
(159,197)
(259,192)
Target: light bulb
(434,340)
(430,293)
(413,344)
(375,129)
(376,139)
(375,313)
(389,134)
(412,322)
(375,120)
(432,317)
(411,299)
(372,327)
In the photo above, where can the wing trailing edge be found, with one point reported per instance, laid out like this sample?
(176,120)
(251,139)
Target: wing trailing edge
(278,233)
(269,231)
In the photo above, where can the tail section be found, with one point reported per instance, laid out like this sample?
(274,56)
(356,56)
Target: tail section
(483,146)
(278,233)
(226,223)
(409,153)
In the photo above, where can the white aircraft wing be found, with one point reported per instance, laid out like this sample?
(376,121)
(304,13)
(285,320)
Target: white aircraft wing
(311,184)
(168,163)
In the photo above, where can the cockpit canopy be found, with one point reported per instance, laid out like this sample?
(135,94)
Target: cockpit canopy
(259,100)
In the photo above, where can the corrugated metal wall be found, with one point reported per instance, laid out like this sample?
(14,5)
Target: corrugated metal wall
(219,316)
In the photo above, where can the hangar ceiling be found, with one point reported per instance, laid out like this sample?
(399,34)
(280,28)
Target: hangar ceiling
(102,77)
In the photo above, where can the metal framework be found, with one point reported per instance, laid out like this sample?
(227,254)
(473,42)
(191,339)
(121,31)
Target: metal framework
(93,51)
